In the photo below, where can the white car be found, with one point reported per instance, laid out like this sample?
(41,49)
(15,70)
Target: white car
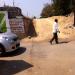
(8,42)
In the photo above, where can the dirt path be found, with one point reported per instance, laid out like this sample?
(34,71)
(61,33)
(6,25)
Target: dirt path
(40,59)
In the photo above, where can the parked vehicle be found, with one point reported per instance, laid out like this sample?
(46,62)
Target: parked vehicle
(8,42)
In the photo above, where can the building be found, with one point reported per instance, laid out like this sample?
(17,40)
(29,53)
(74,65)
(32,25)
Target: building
(12,11)
(18,23)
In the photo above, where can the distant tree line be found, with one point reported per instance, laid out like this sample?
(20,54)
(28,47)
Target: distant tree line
(58,7)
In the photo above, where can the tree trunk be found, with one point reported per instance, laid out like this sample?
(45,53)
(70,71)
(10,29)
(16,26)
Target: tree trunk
(74,10)
(74,18)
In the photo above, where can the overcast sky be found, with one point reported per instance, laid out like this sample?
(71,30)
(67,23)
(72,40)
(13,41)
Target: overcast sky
(29,7)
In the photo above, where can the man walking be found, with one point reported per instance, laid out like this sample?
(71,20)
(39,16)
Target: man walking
(55,31)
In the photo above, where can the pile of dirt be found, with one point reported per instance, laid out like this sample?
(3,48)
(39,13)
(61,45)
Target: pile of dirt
(43,27)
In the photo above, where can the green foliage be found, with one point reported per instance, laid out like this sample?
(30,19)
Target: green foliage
(47,11)
(58,7)
(2,23)
(1,17)
(63,6)
(3,28)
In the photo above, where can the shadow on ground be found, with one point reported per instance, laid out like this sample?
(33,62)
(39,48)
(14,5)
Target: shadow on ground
(12,67)
(63,42)
(17,52)
(60,42)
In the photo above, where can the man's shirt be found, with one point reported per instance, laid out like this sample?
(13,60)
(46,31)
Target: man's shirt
(55,27)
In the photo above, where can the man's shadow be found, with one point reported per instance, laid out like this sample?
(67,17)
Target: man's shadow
(62,42)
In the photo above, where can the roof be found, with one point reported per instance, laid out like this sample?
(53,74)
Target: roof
(12,11)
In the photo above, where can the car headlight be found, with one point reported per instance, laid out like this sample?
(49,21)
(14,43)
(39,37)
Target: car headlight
(8,39)
(1,37)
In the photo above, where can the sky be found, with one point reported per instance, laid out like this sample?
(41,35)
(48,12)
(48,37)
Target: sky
(29,7)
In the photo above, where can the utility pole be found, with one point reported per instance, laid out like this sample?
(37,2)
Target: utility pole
(4,4)
(27,14)
(13,3)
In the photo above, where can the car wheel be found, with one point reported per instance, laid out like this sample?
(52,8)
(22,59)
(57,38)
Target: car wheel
(2,50)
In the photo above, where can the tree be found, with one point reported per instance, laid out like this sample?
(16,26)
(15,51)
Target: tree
(56,8)
(66,6)
(62,6)
(47,11)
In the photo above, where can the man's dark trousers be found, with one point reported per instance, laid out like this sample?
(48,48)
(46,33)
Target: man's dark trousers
(55,37)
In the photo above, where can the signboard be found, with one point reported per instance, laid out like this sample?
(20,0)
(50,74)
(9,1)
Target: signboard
(4,22)
(17,25)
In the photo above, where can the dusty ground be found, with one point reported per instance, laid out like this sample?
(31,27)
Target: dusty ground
(40,59)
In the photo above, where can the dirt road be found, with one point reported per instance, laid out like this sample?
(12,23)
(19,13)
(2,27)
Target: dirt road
(40,59)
